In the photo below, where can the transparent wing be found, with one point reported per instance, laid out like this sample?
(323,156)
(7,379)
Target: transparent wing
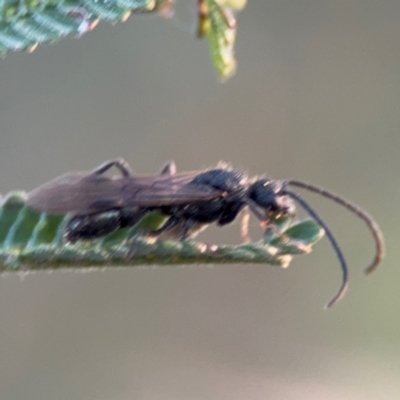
(85,192)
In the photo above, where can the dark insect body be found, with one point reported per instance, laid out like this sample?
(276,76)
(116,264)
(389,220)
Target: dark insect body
(101,204)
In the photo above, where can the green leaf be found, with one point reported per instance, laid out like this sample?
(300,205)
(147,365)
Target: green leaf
(33,241)
(217,22)
(26,23)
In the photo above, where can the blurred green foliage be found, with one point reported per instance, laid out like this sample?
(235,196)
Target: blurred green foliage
(26,23)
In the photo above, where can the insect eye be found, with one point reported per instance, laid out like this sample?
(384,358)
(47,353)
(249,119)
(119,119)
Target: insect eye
(262,193)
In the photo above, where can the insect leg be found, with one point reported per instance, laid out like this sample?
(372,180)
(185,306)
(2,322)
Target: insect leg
(244,227)
(187,226)
(256,210)
(168,225)
(119,163)
(169,168)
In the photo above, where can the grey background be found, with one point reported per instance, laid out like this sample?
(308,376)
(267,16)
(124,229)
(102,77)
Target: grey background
(316,97)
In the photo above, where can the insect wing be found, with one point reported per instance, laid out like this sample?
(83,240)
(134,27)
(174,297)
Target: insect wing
(76,192)
(164,190)
(83,192)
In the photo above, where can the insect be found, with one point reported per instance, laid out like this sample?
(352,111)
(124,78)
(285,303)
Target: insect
(101,204)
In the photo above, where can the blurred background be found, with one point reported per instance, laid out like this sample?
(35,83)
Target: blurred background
(317,98)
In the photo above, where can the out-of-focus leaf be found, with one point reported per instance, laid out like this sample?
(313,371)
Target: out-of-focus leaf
(26,23)
(217,22)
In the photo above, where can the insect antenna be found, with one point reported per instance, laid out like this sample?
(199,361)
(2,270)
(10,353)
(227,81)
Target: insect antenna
(334,243)
(368,219)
